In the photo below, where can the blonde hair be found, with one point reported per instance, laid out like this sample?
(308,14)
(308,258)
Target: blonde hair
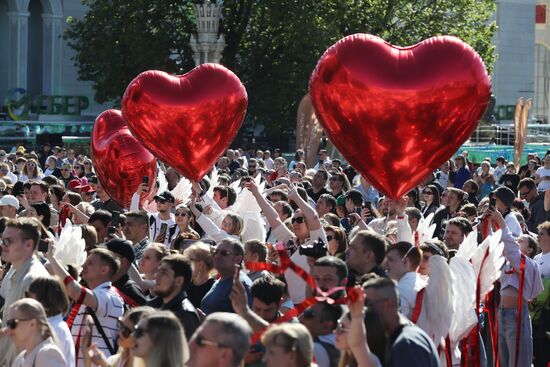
(237,224)
(170,347)
(32,309)
(291,338)
(200,251)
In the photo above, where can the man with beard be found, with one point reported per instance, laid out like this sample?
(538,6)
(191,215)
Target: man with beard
(456,231)
(329,272)
(389,212)
(172,278)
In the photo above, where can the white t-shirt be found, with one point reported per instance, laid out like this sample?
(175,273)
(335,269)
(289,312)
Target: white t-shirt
(513,225)
(544,263)
(64,338)
(544,184)
(156,228)
(296,285)
(408,286)
(110,307)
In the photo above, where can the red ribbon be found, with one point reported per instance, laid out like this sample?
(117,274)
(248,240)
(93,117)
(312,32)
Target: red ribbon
(520,307)
(321,296)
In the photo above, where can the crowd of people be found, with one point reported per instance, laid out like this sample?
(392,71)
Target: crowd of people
(266,262)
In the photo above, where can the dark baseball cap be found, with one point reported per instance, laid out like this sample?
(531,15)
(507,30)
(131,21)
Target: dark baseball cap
(166,196)
(122,248)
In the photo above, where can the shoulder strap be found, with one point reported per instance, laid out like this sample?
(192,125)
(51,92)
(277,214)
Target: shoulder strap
(127,299)
(101,331)
(418,305)
(520,306)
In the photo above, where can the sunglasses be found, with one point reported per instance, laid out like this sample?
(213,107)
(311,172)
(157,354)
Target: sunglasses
(427,193)
(12,323)
(340,329)
(215,252)
(523,194)
(330,238)
(180,214)
(160,201)
(139,332)
(298,220)
(124,330)
(30,164)
(201,342)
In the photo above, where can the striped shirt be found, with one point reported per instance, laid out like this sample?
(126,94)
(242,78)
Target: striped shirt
(110,307)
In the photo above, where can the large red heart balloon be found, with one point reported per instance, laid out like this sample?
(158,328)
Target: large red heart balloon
(396,114)
(187,121)
(120,160)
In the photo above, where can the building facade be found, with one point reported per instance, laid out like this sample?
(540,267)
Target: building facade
(35,58)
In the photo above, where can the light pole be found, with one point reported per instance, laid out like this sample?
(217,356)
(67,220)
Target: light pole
(207,46)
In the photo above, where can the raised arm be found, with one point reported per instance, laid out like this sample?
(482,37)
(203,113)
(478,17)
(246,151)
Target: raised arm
(74,290)
(209,227)
(267,209)
(512,252)
(310,214)
(357,336)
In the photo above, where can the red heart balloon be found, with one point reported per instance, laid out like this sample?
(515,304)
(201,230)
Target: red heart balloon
(187,121)
(396,114)
(120,161)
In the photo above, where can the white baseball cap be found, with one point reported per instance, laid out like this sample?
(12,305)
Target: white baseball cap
(9,200)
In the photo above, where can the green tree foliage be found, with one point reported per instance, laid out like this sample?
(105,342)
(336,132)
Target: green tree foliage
(272,45)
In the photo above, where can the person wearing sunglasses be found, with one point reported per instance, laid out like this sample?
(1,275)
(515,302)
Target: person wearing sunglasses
(222,340)
(305,226)
(431,200)
(51,295)
(30,171)
(228,256)
(528,191)
(19,244)
(125,329)
(159,340)
(67,174)
(184,227)
(28,328)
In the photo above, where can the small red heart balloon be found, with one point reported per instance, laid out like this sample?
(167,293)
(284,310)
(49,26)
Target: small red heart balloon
(396,114)
(187,121)
(120,161)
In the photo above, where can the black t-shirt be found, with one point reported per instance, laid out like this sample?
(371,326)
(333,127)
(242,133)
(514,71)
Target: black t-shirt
(511,181)
(131,290)
(411,346)
(195,293)
(316,196)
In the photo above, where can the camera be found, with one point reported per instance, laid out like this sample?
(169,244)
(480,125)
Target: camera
(315,249)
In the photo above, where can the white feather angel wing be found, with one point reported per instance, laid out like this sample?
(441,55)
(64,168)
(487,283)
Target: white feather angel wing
(469,246)
(425,230)
(161,178)
(464,297)
(437,304)
(488,265)
(183,190)
(70,247)
(247,207)
(213,182)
